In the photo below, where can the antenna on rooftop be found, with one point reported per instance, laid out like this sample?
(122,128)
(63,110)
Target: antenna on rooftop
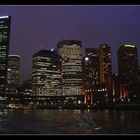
(41,47)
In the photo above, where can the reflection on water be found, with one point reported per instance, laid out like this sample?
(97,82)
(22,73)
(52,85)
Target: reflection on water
(69,122)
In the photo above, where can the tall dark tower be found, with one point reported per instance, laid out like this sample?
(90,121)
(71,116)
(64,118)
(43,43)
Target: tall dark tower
(91,73)
(127,63)
(106,70)
(92,65)
(4,51)
(128,68)
(105,63)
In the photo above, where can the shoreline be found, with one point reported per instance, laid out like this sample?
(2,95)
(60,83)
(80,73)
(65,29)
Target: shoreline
(83,107)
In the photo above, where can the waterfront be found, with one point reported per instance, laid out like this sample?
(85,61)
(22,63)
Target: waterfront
(69,122)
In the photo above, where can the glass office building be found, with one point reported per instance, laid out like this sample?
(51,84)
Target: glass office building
(46,74)
(71,55)
(13,74)
(4,51)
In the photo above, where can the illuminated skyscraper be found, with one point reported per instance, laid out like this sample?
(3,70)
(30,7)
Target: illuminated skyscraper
(105,63)
(4,51)
(13,74)
(46,74)
(92,66)
(106,69)
(71,54)
(91,73)
(128,69)
(127,63)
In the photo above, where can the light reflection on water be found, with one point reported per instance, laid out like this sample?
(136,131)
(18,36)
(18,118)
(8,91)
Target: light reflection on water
(69,122)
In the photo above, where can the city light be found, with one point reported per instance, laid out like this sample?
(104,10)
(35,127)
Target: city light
(52,49)
(86,58)
(14,55)
(132,46)
(4,17)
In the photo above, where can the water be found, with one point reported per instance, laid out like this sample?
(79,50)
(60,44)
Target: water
(69,122)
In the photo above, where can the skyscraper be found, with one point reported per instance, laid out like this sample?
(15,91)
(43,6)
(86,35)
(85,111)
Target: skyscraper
(71,54)
(127,63)
(128,69)
(4,51)
(91,73)
(46,74)
(106,69)
(105,62)
(13,74)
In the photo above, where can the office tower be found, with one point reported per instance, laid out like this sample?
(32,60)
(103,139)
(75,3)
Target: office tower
(46,74)
(106,69)
(92,66)
(13,74)
(71,54)
(128,69)
(127,63)
(105,62)
(4,51)
(91,73)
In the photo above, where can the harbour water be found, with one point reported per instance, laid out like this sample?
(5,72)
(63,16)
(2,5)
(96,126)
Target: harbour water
(61,121)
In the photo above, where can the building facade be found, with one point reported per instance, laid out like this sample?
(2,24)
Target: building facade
(91,74)
(13,74)
(106,70)
(46,74)
(71,55)
(128,70)
(105,63)
(5,22)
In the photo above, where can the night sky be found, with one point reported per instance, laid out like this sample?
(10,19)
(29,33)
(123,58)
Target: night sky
(34,27)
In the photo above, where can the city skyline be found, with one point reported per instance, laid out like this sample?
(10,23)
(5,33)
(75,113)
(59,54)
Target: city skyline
(67,58)
(36,27)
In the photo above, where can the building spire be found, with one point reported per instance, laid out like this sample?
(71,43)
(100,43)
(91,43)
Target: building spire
(41,47)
